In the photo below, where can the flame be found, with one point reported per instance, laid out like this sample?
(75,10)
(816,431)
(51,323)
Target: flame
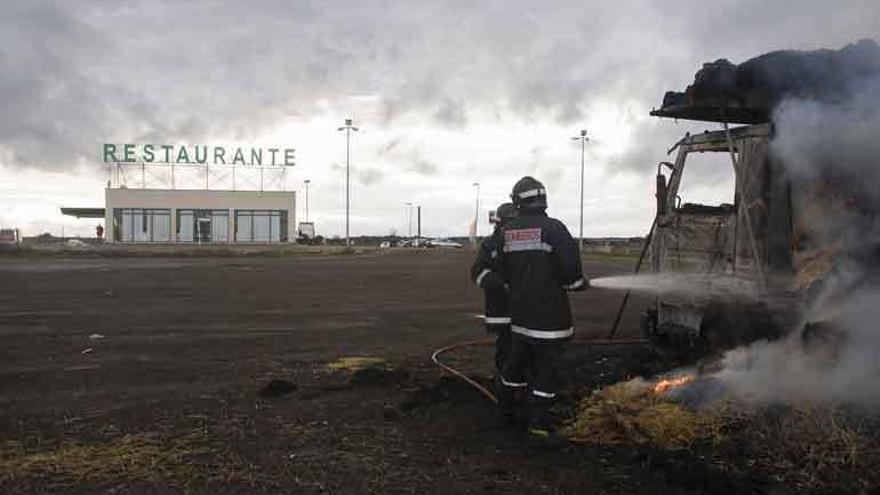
(666,384)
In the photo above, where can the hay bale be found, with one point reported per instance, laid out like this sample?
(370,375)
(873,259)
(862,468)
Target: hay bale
(631,413)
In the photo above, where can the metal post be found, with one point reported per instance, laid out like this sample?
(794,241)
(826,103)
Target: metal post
(743,201)
(582,137)
(477,212)
(348,127)
(347,186)
(306,182)
(143,175)
(419,221)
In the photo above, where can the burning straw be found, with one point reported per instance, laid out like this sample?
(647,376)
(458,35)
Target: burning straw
(640,412)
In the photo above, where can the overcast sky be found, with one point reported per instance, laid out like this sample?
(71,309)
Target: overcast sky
(446,94)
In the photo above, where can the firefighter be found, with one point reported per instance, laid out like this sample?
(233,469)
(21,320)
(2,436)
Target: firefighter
(486,274)
(540,263)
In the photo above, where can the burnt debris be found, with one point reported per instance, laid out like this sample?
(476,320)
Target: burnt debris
(747,93)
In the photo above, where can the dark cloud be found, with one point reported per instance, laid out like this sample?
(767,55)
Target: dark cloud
(389,146)
(368,176)
(421,165)
(79,73)
(451,114)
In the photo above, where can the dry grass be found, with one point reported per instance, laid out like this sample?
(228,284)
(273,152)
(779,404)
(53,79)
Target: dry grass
(630,413)
(140,457)
(817,449)
(357,363)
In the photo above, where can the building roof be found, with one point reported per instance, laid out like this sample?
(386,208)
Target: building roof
(83,212)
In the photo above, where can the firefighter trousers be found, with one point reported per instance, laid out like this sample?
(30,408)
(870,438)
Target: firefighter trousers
(503,344)
(533,365)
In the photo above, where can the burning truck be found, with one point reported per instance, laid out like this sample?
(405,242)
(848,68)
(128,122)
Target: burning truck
(801,230)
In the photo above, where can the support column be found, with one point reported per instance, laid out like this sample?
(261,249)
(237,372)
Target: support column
(109,229)
(231,237)
(174,238)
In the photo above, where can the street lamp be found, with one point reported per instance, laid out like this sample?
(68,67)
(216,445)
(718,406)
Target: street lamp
(348,127)
(410,205)
(582,137)
(306,182)
(477,212)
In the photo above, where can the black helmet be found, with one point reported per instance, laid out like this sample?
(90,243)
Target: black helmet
(504,212)
(528,192)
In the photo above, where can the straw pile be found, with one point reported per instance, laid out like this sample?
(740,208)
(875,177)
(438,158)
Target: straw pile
(633,413)
(139,457)
(358,363)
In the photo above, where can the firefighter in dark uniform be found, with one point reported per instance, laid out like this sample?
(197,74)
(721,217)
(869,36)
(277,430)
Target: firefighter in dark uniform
(486,274)
(540,263)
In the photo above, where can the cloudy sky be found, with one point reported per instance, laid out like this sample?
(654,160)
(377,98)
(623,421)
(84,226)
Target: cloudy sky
(446,94)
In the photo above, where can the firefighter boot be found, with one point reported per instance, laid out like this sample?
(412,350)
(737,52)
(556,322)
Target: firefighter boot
(506,405)
(541,427)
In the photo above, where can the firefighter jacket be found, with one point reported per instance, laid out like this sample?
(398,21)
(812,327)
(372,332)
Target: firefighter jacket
(540,262)
(486,274)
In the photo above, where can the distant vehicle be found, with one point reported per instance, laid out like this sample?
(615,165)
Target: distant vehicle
(385,244)
(306,234)
(444,243)
(10,236)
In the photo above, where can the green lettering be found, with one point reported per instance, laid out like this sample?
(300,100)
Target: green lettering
(110,152)
(273,151)
(149,156)
(182,156)
(204,157)
(167,148)
(288,157)
(219,155)
(238,156)
(256,156)
(128,152)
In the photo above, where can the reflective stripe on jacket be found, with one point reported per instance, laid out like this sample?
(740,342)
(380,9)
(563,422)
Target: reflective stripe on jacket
(540,262)
(486,274)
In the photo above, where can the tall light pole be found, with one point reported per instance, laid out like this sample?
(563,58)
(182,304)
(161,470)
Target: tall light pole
(582,137)
(348,127)
(409,205)
(306,182)
(477,211)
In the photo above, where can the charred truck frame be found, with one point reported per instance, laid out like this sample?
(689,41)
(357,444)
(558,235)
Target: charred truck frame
(768,239)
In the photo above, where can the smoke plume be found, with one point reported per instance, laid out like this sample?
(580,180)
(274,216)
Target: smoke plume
(833,357)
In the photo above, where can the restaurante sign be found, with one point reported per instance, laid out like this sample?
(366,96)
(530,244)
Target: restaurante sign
(198,154)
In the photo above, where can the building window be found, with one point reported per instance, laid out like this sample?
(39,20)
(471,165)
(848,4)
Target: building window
(142,225)
(261,226)
(202,225)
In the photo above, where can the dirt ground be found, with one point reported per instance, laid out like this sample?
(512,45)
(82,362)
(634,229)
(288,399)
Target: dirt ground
(167,397)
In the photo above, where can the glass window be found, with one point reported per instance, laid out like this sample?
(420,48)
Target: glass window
(185,226)
(243,230)
(220,226)
(160,225)
(274,228)
(202,225)
(261,226)
(142,225)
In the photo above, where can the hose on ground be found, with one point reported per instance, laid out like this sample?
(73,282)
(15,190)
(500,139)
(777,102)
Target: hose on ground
(435,357)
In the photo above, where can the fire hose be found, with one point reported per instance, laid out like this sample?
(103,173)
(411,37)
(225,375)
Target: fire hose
(435,357)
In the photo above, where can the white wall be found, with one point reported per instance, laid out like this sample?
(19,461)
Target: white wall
(202,200)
